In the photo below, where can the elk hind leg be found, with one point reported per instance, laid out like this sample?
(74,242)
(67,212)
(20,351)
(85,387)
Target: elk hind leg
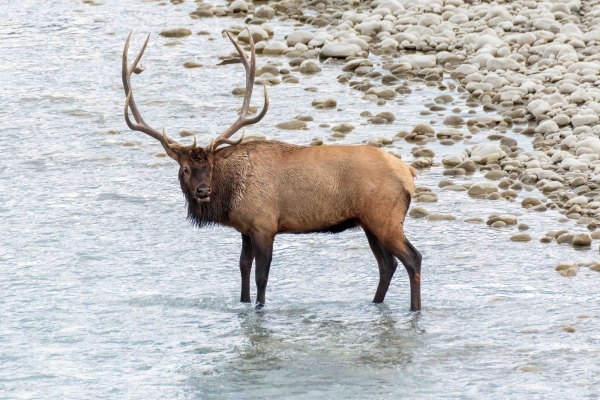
(411,258)
(391,235)
(387,266)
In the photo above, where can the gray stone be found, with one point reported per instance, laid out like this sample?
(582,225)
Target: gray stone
(309,67)
(343,128)
(520,237)
(482,189)
(292,125)
(324,102)
(440,217)
(582,240)
(454,120)
(418,212)
(339,50)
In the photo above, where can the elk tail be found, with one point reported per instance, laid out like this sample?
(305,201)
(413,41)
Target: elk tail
(413,171)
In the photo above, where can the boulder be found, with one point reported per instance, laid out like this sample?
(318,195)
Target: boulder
(258,34)
(299,37)
(291,125)
(481,189)
(324,102)
(488,149)
(538,107)
(582,240)
(309,67)
(238,6)
(419,61)
(520,237)
(339,50)
(176,33)
(494,64)
(275,48)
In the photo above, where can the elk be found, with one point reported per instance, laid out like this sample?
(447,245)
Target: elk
(263,188)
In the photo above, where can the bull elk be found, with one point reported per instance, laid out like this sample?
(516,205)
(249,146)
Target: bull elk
(263,188)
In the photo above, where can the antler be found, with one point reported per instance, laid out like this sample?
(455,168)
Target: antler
(242,120)
(141,125)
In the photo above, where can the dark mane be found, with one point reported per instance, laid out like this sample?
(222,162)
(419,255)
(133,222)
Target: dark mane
(228,184)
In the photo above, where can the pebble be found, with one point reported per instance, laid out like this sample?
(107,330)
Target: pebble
(343,128)
(192,64)
(582,240)
(301,36)
(238,6)
(309,67)
(529,202)
(520,237)
(454,120)
(418,212)
(176,33)
(493,196)
(275,48)
(423,129)
(427,198)
(565,238)
(495,175)
(339,50)
(481,189)
(467,165)
(441,217)
(292,125)
(567,269)
(258,34)
(382,92)
(324,102)
(507,219)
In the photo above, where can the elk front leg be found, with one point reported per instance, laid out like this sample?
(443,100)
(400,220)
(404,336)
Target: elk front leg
(246,259)
(262,246)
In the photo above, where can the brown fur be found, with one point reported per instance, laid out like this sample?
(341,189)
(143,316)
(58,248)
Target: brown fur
(284,188)
(265,188)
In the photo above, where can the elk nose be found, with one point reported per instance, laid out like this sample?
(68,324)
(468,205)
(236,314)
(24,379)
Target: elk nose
(203,192)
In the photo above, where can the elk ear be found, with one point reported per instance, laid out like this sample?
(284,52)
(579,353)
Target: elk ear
(170,152)
(224,152)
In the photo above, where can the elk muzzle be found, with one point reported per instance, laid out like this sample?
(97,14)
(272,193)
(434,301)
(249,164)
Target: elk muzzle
(202,194)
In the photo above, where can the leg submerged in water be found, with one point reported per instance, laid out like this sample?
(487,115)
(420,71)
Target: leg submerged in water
(387,264)
(394,241)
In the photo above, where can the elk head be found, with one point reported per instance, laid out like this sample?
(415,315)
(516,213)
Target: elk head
(195,163)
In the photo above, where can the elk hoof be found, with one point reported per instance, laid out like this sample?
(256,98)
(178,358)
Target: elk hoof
(259,306)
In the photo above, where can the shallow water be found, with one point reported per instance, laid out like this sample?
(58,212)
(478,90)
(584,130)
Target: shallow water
(107,292)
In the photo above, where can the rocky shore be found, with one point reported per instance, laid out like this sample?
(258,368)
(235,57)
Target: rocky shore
(530,67)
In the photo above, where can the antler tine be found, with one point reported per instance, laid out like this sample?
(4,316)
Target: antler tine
(250,75)
(264,110)
(140,124)
(250,70)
